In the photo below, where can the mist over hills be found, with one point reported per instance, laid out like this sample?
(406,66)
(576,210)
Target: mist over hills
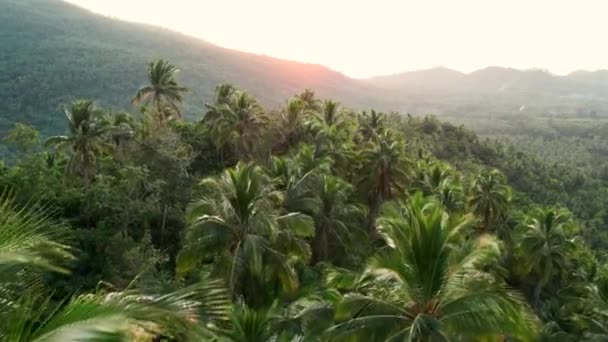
(53,52)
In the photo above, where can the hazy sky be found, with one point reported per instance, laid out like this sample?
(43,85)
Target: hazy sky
(363,38)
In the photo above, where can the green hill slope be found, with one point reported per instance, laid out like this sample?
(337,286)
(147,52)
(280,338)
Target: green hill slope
(52,52)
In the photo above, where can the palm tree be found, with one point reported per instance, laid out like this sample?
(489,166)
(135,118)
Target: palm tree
(120,128)
(372,124)
(543,244)
(238,223)
(224,94)
(163,92)
(309,100)
(439,180)
(113,316)
(85,140)
(240,119)
(31,241)
(429,284)
(28,239)
(384,173)
(335,221)
(333,133)
(292,124)
(490,197)
(298,177)
(252,325)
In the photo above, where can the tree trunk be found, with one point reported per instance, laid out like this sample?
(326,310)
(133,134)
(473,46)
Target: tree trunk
(85,175)
(485,221)
(320,245)
(537,291)
(85,168)
(162,226)
(374,210)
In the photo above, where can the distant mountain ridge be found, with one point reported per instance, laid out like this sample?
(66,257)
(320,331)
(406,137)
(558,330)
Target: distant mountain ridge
(498,90)
(493,79)
(52,52)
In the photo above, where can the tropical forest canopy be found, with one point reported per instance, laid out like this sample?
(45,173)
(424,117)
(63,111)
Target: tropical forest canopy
(141,203)
(313,222)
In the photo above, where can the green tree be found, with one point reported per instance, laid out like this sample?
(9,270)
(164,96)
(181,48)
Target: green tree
(543,245)
(335,221)
(237,118)
(23,137)
(440,180)
(384,172)
(429,284)
(291,125)
(309,99)
(490,198)
(252,325)
(163,92)
(238,222)
(86,141)
(371,124)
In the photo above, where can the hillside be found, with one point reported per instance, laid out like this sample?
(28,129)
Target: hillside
(53,52)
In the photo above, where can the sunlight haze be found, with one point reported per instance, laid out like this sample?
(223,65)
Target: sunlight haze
(366,38)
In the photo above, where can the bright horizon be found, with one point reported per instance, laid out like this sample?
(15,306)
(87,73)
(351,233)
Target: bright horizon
(369,38)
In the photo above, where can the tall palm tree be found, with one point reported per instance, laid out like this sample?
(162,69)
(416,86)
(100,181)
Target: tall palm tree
(333,133)
(372,124)
(440,180)
(224,94)
(120,127)
(543,244)
(329,121)
(310,101)
(298,177)
(87,127)
(490,197)
(335,221)
(239,120)
(429,284)
(291,124)
(384,172)
(163,92)
(239,224)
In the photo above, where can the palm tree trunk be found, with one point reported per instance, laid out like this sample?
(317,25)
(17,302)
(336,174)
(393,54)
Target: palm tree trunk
(232,280)
(537,291)
(320,245)
(486,221)
(85,175)
(85,167)
(162,226)
(374,210)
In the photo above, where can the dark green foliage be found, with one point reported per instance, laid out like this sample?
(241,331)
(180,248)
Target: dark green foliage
(316,222)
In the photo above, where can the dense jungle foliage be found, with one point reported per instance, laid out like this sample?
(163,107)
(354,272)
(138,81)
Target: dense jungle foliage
(309,223)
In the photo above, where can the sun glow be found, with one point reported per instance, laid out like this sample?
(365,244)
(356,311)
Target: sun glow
(364,38)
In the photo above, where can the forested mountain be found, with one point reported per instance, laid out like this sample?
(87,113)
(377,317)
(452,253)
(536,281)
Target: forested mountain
(51,48)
